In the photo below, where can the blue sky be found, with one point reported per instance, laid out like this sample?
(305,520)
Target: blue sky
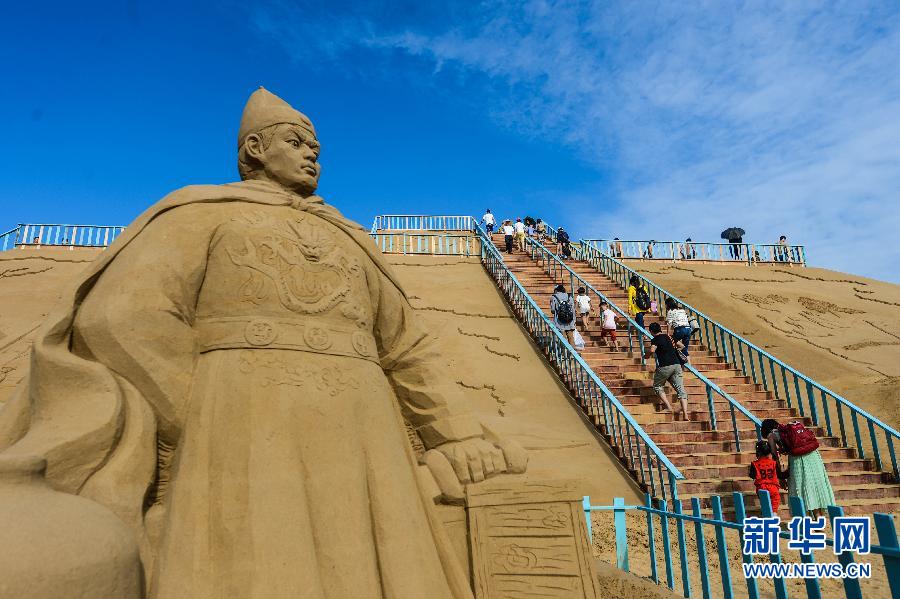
(629,119)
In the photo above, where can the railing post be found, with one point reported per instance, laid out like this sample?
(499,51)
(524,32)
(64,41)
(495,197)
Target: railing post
(851,585)
(712,408)
(682,548)
(812,585)
(621,533)
(701,548)
(651,538)
(887,537)
(586,505)
(667,546)
(740,515)
(721,545)
(766,508)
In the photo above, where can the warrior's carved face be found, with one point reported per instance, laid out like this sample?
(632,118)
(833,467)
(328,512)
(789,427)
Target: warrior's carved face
(290,158)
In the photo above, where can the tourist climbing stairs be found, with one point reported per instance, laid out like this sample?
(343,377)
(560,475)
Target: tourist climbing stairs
(714,447)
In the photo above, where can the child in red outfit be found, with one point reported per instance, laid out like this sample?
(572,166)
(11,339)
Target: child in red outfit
(766,474)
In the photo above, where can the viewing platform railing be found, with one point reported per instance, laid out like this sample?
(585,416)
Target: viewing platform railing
(25,235)
(436,244)
(422,222)
(764,369)
(745,253)
(559,270)
(649,464)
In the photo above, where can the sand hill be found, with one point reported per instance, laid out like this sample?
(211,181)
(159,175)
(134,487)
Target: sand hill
(489,356)
(842,330)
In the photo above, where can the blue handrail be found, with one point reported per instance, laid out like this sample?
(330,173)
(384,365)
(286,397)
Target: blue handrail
(422,222)
(43,234)
(699,251)
(555,267)
(651,466)
(766,370)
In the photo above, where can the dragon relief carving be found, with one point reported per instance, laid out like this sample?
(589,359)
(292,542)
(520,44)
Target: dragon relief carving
(302,261)
(275,370)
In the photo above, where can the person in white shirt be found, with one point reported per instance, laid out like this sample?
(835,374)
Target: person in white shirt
(488,220)
(583,303)
(679,324)
(608,326)
(520,234)
(508,233)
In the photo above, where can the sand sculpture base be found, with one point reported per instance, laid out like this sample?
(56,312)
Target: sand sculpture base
(528,540)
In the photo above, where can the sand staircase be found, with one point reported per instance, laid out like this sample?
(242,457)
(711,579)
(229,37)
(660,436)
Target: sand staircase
(709,459)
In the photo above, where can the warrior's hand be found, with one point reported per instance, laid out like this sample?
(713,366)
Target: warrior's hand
(457,463)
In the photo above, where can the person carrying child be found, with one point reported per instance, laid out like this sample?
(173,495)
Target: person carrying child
(608,326)
(583,303)
(679,323)
(668,369)
(767,474)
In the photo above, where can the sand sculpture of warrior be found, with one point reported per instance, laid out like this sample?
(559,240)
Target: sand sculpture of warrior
(233,378)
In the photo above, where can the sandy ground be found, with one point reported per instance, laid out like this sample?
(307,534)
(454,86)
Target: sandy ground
(842,330)
(505,378)
(640,561)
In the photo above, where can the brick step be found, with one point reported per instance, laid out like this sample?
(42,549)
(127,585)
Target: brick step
(690,384)
(723,434)
(854,495)
(711,370)
(676,426)
(840,479)
(852,507)
(745,457)
(649,412)
(701,447)
(748,399)
(723,471)
(592,340)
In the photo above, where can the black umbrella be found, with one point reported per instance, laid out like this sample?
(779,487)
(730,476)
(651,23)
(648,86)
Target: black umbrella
(732,233)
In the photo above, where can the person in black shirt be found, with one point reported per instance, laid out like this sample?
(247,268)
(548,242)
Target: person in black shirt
(668,368)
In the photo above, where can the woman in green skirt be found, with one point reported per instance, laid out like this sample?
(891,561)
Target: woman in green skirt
(807,477)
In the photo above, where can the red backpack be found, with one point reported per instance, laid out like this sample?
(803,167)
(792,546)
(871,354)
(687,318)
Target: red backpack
(797,439)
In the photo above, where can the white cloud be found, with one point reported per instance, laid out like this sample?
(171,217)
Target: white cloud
(779,117)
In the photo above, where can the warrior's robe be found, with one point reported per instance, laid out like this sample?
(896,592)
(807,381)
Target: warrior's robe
(246,365)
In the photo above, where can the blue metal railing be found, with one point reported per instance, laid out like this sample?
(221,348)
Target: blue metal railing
(422,222)
(436,244)
(59,235)
(749,253)
(638,451)
(888,547)
(8,239)
(558,270)
(785,382)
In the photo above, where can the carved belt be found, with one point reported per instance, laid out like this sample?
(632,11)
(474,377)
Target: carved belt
(269,333)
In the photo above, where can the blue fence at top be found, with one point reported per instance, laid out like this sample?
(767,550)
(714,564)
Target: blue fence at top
(25,235)
(888,548)
(746,253)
